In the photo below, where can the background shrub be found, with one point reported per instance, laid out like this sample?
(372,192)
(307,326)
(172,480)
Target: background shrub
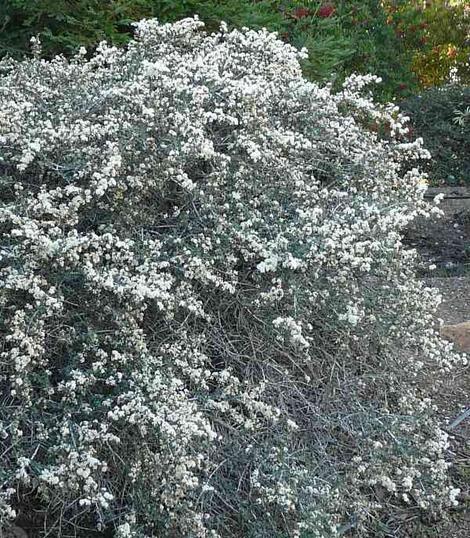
(436,34)
(442,117)
(375,48)
(64,26)
(210,325)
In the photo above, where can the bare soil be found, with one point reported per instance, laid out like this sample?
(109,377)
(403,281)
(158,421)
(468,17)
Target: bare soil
(445,243)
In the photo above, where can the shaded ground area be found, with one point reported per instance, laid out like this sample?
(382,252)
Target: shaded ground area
(455,398)
(445,243)
(455,291)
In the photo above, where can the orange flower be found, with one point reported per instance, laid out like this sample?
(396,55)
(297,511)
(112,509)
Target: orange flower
(451,52)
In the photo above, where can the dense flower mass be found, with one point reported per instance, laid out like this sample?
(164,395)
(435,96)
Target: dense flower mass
(210,326)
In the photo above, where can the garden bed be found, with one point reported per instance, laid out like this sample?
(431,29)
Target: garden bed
(443,243)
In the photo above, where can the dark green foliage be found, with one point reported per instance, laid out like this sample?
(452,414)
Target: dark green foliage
(65,25)
(356,38)
(441,116)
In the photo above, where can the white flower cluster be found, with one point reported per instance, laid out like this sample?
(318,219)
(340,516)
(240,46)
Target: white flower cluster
(210,326)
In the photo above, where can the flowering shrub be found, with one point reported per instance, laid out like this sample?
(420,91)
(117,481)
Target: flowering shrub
(210,325)
(342,37)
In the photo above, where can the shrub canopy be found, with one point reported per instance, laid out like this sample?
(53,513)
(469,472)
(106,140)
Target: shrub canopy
(342,37)
(210,326)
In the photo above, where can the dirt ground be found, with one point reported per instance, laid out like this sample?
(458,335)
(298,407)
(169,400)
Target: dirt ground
(445,244)
(455,399)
